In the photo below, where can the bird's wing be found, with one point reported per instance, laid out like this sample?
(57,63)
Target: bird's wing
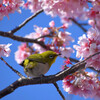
(36,58)
(32,60)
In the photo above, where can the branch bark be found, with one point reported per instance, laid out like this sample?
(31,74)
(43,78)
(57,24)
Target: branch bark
(55,84)
(22,39)
(17,72)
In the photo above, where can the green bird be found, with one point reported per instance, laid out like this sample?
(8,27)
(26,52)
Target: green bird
(38,64)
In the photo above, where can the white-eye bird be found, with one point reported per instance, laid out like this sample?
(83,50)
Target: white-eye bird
(39,64)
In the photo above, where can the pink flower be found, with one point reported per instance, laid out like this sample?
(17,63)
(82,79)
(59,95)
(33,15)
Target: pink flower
(38,48)
(65,8)
(66,52)
(65,36)
(88,46)
(9,6)
(94,13)
(38,33)
(5,50)
(34,5)
(45,31)
(22,53)
(52,24)
(85,85)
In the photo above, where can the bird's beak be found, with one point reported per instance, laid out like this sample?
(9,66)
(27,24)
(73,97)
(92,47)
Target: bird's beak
(58,54)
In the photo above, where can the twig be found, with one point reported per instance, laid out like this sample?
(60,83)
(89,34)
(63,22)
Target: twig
(22,39)
(73,60)
(55,84)
(25,22)
(46,79)
(83,24)
(49,35)
(18,73)
(94,69)
(78,25)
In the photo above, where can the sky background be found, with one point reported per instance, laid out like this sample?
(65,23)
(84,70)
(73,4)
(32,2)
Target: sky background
(32,92)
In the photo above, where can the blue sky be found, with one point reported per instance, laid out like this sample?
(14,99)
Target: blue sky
(31,92)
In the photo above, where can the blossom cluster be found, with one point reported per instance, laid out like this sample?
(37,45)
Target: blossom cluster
(9,6)
(84,84)
(63,8)
(94,14)
(89,45)
(66,9)
(22,53)
(58,41)
(5,50)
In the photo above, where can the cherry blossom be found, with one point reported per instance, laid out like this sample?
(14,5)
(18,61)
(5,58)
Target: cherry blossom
(63,8)
(66,52)
(89,45)
(94,13)
(82,84)
(52,24)
(9,6)
(58,40)
(5,50)
(34,5)
(22,53)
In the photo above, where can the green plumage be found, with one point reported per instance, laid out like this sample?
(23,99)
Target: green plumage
(38,64)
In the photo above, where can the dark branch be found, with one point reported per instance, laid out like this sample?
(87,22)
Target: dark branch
(18,73)
(78,24)
(55,84)
(22,39)
(25,22)
(73,60)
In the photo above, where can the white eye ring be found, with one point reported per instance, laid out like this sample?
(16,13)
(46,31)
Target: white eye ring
(51,56)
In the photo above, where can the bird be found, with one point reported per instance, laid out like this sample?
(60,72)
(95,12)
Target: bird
(37,65)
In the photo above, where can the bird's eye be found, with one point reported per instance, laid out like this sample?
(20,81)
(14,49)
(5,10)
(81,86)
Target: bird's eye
(51,56)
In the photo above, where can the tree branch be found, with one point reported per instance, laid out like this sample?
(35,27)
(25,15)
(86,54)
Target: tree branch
(45,79)
(25,22)
(22,39)
(55,84)
(17,72)
(78,24)
(73,60)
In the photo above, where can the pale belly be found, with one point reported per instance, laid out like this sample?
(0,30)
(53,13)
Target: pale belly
(39,70)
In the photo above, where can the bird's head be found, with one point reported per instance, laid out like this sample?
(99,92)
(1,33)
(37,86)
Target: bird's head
(50,57)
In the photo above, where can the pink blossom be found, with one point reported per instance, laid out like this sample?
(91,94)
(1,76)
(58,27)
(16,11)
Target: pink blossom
(22,53)
(91,22)
(45,31)
(38,48)
(38,33)
(65,8)
(5,50)
(85,85)
(52,24)
(89,45)
(10,6)
(34,5)
(65,26)
(66,52)
(57,41)
(94,13)
(65,36)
